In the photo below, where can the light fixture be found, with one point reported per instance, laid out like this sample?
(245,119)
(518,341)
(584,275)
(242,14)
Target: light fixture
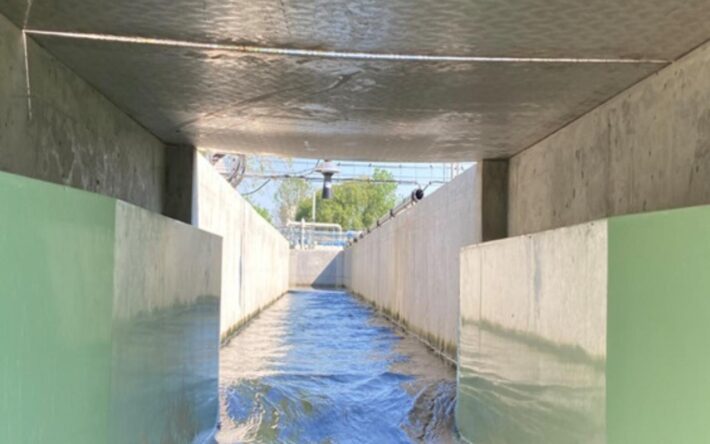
(327,168)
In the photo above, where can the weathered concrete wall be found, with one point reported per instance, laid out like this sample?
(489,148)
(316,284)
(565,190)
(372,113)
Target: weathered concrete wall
(410,266)
(61,130)
(109,320)
(255,265)
(646,149)
(550,285)
(318,268)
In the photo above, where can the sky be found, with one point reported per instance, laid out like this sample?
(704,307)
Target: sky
(410,173)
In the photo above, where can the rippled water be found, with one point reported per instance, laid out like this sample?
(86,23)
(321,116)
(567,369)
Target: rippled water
(322,367)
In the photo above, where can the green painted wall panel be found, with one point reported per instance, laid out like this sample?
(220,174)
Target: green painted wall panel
(658,365)
(56,282)
(109,320)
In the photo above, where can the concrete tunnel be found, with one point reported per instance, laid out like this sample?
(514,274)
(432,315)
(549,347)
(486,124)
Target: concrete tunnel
(580,237)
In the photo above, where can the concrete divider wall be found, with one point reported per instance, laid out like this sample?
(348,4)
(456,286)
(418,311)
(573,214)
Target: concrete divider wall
(109,320)
(317,268)
(533,338)
(255,265)
(410,266)
(629,291)
(646,149)
(550,285)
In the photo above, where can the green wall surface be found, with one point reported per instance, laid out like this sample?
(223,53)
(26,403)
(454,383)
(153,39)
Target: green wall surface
(91,351)
(653,387)
(658,360)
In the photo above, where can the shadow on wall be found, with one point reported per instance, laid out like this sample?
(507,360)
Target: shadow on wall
(332,274)
(317,268)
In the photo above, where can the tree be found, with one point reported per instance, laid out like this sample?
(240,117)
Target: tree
(355,205)
(289,194)
(263,212)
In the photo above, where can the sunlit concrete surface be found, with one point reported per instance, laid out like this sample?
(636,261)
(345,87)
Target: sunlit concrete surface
(552,285)
(255,256)
(409,267)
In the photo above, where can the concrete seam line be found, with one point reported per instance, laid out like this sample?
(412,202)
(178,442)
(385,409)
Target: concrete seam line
(355,55)
(28,83)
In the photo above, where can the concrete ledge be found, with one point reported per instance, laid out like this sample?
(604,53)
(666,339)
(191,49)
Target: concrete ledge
(551,285)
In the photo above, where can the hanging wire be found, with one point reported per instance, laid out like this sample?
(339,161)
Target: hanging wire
(257,188)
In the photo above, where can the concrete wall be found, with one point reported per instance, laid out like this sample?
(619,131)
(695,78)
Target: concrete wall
(109,320)
(646,149)
(72,135)
(410,266)
(255,265)
(629,291)
(317,268)
(550,285)
(533,338)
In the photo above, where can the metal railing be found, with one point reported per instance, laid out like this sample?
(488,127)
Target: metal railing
(311,235)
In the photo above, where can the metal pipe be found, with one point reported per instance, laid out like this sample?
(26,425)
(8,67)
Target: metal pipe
(313,208)
(416,196)
(305,224)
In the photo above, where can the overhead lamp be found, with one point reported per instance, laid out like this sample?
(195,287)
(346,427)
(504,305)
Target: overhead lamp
(328,168)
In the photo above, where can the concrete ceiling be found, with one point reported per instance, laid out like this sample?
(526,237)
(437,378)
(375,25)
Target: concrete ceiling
(362,79)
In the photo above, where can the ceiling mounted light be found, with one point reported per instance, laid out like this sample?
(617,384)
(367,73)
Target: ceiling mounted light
(327,168)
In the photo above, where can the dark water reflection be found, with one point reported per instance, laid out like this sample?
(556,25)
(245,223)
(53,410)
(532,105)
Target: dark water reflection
(322,367)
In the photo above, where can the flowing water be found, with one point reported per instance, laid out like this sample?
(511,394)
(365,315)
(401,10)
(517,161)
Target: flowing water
(323,367)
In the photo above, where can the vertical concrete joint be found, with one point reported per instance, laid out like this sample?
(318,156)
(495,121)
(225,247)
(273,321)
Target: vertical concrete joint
(494,199)
(179,177)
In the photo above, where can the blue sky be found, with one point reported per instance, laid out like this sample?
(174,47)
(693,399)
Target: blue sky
(422,173)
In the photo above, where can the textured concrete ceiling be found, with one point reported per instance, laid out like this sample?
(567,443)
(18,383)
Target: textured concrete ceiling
(363,79)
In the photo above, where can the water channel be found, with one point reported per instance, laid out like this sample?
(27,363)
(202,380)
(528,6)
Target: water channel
(324,367)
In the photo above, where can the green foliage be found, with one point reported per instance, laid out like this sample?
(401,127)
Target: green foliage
(355,205)
(263,212)
(289,194)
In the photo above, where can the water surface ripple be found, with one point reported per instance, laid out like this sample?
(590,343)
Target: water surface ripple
(322,367)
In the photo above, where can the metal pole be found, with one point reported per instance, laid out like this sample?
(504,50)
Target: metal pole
(303,233)
(313,208)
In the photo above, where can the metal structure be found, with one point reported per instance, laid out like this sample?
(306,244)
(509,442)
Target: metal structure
(309,235)
(328,169)
(416,196)
(385,80)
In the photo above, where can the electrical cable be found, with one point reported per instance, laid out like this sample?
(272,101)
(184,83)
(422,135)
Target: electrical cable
(257,189)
